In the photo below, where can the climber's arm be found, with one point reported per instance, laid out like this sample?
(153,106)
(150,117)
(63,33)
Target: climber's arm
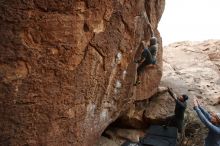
(172,94)
(208,124)
(205,113)
(140,60)
(151,30)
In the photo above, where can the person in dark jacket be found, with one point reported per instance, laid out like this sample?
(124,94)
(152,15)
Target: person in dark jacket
(212,122)
(180,107)
(148,56)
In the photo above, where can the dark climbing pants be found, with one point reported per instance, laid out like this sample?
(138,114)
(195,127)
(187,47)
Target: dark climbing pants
(143,65)
(175,122)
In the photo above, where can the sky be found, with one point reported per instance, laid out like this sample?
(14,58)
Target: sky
(194,20)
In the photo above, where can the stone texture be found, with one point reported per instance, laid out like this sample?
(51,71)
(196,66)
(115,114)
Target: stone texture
(159,109)
(150,111)
(103,141)
(120,135)
(66,67)
(133,118)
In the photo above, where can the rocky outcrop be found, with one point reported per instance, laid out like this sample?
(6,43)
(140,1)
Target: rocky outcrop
(120,135)
(162,106)
(66,67)
(155,110)
(103,141)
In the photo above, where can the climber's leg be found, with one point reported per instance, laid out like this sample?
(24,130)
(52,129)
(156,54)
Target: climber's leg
(142,54)
(139,60)
(149,59)
(140,70)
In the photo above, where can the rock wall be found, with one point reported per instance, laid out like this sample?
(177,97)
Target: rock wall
(66,67)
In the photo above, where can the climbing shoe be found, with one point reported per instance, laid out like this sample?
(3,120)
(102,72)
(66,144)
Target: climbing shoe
(136,61)
(137,83)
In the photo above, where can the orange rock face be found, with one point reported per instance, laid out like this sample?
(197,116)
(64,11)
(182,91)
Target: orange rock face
(66,67)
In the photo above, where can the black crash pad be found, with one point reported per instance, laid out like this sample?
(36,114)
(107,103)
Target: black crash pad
(129,143)
(157,136)
(160,136)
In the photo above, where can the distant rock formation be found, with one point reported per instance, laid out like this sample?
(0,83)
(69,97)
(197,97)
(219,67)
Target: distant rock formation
(66,67)
(191,68)
(197,66)
(194,68)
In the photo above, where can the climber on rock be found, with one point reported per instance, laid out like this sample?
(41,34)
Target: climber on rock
(212,122)
(148,57)
(178,119)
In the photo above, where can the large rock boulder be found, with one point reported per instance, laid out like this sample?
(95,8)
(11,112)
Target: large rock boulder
(150,111)
(120,135)
(66,67)
(160,108)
